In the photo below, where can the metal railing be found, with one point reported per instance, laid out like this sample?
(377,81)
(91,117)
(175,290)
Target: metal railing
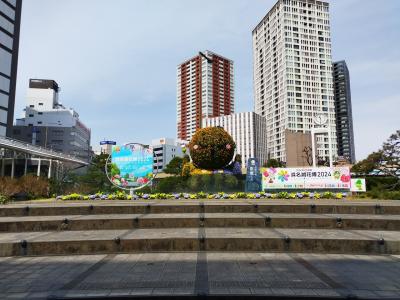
(20,146)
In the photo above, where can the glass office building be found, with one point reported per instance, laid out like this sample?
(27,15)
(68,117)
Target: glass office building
(10,18)
(344,114)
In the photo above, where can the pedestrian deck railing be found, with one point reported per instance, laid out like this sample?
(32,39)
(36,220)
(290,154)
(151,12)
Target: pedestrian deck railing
(38,151)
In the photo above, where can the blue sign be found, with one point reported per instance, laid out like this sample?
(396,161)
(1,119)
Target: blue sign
(253,176)
(108,143)
(131,165)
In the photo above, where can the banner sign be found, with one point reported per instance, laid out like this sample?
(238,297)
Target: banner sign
(253,176)
(131,165)
(306,178)
(358,185)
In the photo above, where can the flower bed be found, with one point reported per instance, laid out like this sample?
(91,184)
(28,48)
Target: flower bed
(202,195)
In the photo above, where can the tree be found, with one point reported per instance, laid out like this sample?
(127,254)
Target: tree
(174,166)
(273,163)
(386,160)
(95,178)
(322,161)
(114,169)
(186,158)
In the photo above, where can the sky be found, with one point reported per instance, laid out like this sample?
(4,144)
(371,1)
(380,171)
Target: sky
(115,61)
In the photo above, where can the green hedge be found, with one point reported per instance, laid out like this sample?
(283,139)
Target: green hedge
(379,187)
(379,182)
(197,183)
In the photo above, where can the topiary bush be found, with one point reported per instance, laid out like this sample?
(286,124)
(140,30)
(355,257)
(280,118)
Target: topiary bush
(211,148)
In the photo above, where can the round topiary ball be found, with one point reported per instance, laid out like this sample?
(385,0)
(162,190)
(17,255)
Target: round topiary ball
(211,148)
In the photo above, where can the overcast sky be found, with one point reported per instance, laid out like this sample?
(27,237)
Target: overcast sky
(116,60)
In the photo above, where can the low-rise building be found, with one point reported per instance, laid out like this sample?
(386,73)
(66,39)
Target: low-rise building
(49,124)
(248,130)
(165,149)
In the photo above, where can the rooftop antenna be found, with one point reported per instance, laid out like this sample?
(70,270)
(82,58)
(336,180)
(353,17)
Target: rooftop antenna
(209,60)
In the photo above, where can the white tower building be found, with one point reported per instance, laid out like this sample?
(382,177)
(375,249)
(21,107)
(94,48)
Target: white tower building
(292,70)
(248,130)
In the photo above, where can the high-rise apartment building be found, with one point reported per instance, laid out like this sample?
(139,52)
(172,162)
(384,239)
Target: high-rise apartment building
(293,72)
(10,19)
(344,115)
(205,88)
(248,130)
(51,125)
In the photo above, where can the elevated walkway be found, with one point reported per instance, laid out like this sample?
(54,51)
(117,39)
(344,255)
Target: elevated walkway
(12,150)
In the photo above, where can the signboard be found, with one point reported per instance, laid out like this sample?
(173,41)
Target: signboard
(358,185)
(131,165)
(306,178)
(108,143)
(253,176)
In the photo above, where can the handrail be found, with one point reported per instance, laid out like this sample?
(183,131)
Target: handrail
(38,150)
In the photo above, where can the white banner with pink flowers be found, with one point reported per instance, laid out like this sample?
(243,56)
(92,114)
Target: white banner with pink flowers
(306,178)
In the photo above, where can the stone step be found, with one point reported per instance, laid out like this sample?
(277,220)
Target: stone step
(195,220)
(201,239)
(208,206)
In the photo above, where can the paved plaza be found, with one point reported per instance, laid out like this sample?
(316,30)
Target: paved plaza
(128,249)
(200,273)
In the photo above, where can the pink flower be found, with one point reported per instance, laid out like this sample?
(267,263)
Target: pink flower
(228,146)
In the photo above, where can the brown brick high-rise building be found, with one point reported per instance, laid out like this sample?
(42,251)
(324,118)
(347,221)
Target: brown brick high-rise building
(205,88)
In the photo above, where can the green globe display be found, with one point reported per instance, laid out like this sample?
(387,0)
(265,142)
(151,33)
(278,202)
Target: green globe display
(211,148)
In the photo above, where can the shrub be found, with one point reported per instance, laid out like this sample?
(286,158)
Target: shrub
(9,187)
(218,182)
(34,187)
(231,182)
(3,199)
(187,169)
(206,182)
(193,183)
(167,185)
(387,195)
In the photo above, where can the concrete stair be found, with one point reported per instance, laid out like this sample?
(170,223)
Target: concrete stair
(325,226)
